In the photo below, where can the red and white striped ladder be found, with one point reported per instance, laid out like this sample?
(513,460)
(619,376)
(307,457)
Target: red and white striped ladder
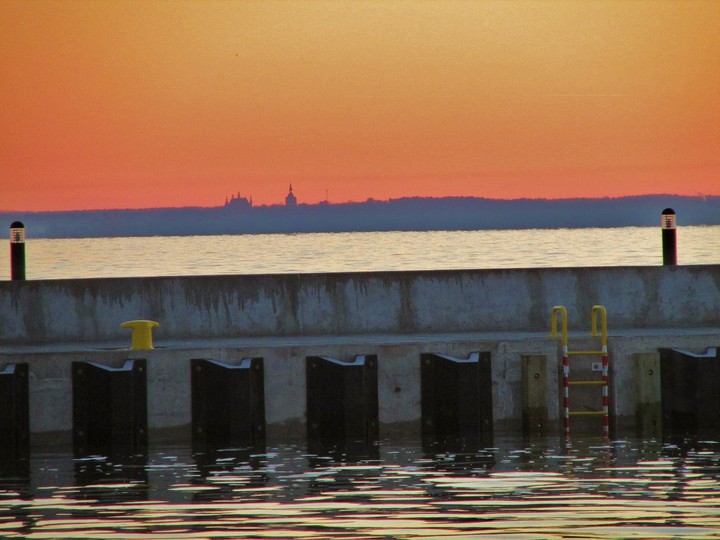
(566,382)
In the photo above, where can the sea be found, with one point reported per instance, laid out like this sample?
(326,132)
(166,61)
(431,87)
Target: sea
(517,488)
(79,258)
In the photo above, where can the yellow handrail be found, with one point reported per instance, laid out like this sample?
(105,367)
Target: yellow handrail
(563,322)
(603,323)
(593,322)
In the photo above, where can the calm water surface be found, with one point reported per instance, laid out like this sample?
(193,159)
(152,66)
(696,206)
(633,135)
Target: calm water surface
(589,489)
(352,252)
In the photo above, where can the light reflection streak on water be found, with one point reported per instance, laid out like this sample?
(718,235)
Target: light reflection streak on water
(629,488)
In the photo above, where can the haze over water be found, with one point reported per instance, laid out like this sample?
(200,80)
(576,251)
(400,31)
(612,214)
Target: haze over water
(359,252)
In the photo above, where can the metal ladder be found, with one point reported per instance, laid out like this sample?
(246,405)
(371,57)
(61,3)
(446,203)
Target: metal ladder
(566,382)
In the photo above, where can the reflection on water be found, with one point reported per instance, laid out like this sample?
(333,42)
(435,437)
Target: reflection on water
(358,251)
(591,489)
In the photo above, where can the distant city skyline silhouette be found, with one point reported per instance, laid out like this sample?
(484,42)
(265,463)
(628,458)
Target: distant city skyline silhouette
(242,202)
(239,216)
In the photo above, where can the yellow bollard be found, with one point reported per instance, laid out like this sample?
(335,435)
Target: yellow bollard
(141,333)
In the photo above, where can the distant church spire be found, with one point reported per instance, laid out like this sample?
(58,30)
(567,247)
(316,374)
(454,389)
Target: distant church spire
(290,200)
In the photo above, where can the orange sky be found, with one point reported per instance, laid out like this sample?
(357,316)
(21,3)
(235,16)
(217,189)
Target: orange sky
(136,104)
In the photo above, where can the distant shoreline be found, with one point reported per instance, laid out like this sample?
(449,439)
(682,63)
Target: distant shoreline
(406,214)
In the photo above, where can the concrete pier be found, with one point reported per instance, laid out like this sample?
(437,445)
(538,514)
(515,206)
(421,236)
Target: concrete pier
(395,316)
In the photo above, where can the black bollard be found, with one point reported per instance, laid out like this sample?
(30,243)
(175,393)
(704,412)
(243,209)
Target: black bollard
(669,237)
(17,251)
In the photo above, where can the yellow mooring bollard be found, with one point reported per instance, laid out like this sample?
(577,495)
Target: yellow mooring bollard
(141,333)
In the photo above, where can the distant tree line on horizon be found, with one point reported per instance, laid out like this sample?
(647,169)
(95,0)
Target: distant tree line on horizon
(404,214)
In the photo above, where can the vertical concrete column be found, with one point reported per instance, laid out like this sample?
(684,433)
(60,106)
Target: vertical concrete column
(534,394)
(648,410)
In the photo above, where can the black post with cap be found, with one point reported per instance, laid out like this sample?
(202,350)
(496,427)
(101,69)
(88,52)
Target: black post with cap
(669,237)
(17,251)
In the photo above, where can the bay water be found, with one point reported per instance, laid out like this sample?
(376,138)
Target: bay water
(70,258)
(550,489)
(541,488)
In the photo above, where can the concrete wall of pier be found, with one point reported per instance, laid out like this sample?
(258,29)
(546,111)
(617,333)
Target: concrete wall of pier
(357,303)
(396,316)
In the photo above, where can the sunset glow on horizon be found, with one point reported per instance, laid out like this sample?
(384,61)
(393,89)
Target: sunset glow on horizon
(149,103)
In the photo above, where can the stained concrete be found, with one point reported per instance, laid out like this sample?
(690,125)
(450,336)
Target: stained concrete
(398,355)
(514,300)
(395,315)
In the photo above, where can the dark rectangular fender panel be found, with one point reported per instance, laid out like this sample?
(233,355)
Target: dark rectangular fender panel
(457,409)
(690,393)
(110,408)
(342,404)
(14,412)
(228,404)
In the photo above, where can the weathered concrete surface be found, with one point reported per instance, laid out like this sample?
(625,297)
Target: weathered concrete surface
(168,390)
(515,300)
(395,315)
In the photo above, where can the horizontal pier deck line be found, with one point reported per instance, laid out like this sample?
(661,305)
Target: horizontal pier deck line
(89,347)
(416,302)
